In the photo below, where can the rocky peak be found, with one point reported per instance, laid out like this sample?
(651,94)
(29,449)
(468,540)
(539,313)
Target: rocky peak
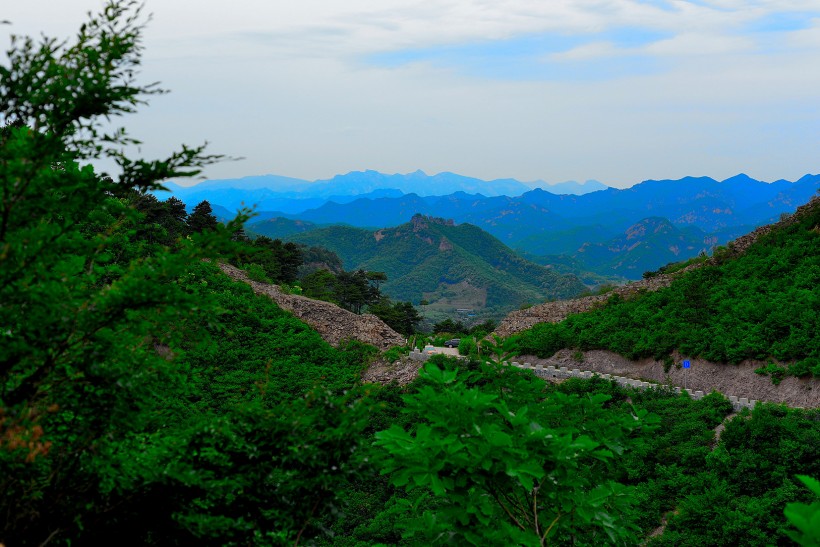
(423,222)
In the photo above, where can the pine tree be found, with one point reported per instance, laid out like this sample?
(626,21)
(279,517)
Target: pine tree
(202,218)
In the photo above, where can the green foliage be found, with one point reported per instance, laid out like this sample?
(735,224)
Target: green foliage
(254,476)
(394,354)
(499,348)
(353,291)
(776,372)
(147,399)
(276,262)
(673,267)
(256,273)
(320,285)
(400,316)
(740,489)
(491,471)
(429,259)
(805,517)
(483,329)
(468,347)
(449,326)
(143,397)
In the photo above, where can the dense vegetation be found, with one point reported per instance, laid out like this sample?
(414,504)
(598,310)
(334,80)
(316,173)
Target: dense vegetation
(446,444)
(147,399)
(762,304)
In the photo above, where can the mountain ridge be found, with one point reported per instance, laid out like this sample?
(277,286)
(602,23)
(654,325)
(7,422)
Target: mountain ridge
(537,222)
(428,256)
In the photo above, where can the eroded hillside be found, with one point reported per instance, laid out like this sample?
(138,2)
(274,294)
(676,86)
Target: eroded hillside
(332,322)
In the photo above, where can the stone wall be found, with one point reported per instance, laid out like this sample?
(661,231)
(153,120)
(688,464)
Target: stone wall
(333,323)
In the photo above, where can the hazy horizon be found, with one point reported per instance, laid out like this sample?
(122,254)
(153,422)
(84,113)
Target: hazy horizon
(531,183)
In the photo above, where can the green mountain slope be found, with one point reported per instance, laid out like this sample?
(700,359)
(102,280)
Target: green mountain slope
(646,243)
(278,227)
(435,260)
(762,303)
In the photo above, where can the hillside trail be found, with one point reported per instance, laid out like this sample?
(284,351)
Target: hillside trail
(714,444)
(739,380)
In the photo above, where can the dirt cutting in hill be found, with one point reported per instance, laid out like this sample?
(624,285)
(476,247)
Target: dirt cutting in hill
(333,323)
(739,380)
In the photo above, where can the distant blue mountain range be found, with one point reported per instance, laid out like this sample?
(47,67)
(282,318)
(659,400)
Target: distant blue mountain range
(606,232)
(618,232)
(290,195)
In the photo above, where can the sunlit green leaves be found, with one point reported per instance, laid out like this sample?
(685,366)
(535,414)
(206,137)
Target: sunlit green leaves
(503,473)
(806,517)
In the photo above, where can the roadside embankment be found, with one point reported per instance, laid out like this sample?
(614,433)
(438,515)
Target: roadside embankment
(738,380)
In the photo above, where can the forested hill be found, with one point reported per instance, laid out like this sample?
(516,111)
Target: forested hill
(435,260)
(756,299)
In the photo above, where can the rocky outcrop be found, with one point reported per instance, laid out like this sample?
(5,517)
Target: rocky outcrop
(741,244)
(555,312)
(333,323)
(403,371)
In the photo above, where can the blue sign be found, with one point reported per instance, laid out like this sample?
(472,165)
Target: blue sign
(686,364)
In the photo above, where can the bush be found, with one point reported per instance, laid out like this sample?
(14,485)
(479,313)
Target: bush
(467,346)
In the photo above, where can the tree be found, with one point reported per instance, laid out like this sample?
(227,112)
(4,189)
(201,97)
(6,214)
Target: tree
(175,220)
(400,316)
(280,260)
(320,284)
(202,218)
(449,326)
(489,470)
(376,278)
(353,291)
(82,303)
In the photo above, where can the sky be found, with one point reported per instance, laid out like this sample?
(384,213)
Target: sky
(614,90)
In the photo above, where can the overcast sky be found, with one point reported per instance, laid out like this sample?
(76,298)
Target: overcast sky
(615,90)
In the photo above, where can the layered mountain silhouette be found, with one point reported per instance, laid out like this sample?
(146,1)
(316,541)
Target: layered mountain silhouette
(290,195)
(596,231)
(701,213)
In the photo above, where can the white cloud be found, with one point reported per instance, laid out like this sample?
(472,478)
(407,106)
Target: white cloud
(289,85)
(696,44)
(594,50)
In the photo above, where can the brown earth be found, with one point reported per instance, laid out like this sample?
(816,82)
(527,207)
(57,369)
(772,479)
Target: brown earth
(403,371)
